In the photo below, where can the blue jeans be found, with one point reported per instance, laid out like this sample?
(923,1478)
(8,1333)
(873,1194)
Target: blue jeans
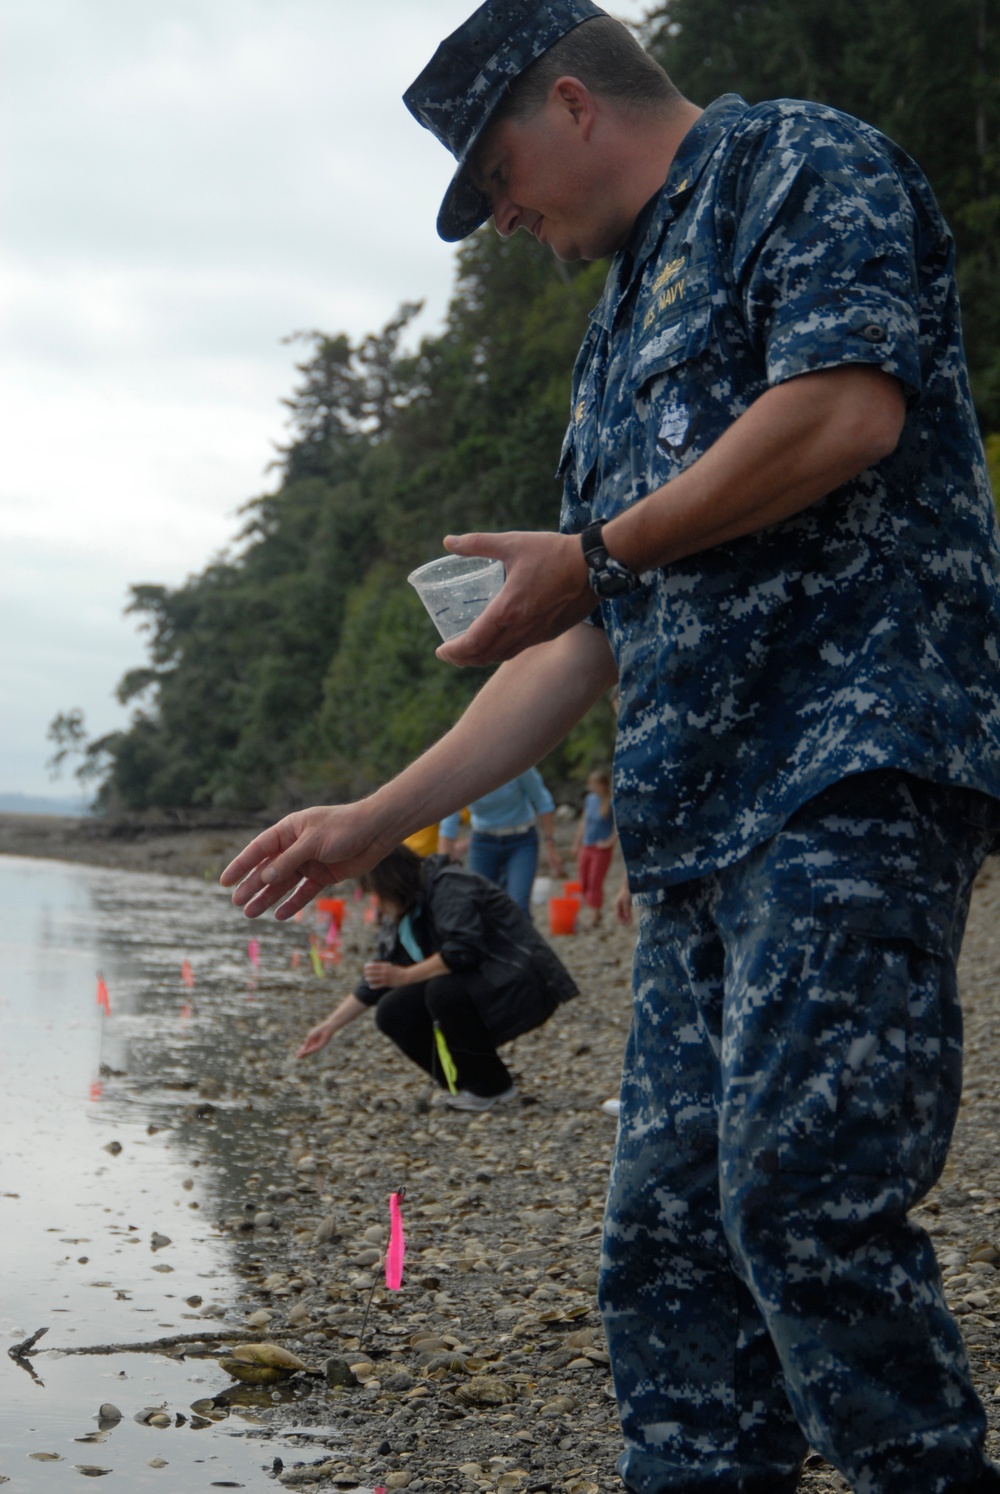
(507,860)
(791,1081)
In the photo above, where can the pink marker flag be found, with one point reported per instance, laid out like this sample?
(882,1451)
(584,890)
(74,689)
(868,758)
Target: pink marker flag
(253,950)
(103,999)
(397,1246)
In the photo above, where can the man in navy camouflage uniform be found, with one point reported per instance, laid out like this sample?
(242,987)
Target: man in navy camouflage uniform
(774,466)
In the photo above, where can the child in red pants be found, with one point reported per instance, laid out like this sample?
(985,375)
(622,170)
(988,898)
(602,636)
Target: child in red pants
(594,842)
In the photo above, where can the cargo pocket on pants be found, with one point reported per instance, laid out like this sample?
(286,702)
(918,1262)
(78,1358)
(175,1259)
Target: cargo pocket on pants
(872,1072)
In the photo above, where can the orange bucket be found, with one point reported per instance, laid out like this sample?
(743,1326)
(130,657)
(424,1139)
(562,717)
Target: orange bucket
(334,906)
(562,914)
(573,889)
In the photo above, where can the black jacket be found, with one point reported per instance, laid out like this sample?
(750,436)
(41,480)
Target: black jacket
(516,979)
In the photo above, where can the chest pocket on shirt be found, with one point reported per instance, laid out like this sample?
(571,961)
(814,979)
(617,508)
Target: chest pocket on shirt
(669,376)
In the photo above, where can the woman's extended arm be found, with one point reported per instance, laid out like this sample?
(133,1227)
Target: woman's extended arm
(320,1035)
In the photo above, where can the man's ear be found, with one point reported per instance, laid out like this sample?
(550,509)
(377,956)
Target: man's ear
(577,100)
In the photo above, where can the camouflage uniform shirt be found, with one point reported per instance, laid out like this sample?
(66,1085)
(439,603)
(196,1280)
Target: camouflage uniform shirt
(863,633)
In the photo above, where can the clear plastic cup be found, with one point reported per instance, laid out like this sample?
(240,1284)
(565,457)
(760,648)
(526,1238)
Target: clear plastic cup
(456,588)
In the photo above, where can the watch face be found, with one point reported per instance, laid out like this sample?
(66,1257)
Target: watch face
(608,577)
(612,583)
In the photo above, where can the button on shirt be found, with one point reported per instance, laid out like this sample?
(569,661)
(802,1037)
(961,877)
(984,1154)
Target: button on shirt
(859,634)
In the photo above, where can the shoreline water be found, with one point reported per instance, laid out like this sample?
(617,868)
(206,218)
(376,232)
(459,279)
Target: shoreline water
(487,1371)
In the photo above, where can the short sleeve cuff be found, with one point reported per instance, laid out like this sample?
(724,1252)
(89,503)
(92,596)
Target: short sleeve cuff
(877,330)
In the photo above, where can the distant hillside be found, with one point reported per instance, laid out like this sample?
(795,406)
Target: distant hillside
(43,804)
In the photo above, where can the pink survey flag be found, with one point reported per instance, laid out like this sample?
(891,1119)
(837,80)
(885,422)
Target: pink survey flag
(253,950)
(397,1245)
(103,999)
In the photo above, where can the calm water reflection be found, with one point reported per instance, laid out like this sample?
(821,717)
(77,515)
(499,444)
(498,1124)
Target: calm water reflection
(96,1158)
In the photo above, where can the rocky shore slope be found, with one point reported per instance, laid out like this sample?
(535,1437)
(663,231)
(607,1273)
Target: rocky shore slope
(488,1370)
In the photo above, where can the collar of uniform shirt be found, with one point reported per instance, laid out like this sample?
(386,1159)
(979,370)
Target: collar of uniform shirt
(685,172)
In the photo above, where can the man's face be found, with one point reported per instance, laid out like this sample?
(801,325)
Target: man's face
(543,174)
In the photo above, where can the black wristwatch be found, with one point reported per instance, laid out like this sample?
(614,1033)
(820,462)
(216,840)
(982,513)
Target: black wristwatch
(608,577)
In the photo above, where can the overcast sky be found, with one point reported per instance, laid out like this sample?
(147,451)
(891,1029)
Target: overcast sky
(184,184)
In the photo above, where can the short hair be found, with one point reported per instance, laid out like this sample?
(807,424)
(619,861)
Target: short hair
(398,877)
(606,58)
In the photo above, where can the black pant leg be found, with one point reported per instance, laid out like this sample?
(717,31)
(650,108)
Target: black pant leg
(402,1015)
(480,1068)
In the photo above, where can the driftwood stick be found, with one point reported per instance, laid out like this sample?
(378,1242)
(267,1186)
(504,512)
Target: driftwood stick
(20,1351)
(156,1346)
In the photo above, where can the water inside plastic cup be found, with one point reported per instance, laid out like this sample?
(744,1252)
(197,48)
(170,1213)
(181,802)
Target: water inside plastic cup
(455,589)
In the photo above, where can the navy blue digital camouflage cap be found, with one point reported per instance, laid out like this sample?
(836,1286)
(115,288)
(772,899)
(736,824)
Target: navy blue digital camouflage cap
(466,79)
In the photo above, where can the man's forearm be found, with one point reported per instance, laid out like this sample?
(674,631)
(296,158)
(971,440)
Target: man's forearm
(519,715)
(795,444)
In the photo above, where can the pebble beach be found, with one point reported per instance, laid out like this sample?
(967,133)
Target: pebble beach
(487,1371)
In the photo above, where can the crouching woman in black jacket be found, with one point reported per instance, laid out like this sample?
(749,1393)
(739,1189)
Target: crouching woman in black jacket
(456,952)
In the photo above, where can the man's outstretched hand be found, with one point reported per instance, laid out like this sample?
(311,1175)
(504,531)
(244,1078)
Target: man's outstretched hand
(293,861)
(547,590)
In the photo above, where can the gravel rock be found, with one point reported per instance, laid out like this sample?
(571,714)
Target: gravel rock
(339,1372)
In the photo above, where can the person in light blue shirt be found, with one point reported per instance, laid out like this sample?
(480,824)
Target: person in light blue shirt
(503,845)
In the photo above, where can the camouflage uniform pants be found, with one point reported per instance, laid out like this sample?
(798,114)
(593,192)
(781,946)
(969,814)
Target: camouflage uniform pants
(790,1085)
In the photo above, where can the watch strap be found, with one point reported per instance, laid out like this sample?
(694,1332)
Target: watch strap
(592,544)
(608,577)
